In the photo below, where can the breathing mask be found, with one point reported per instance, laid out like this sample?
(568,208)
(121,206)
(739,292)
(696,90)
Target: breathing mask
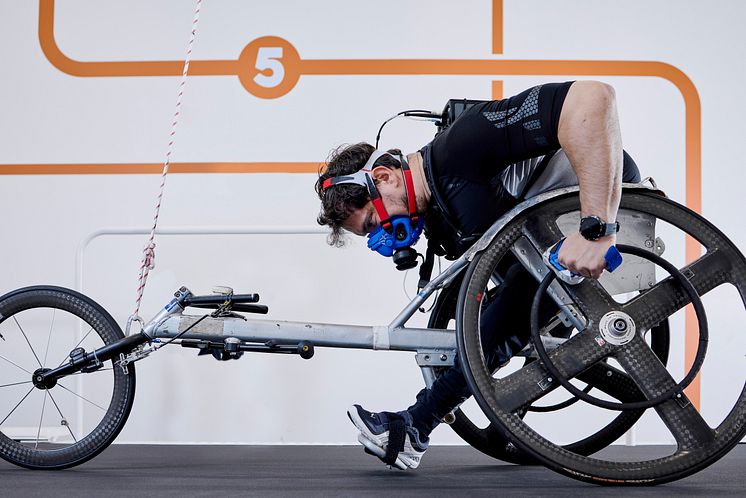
(396,234)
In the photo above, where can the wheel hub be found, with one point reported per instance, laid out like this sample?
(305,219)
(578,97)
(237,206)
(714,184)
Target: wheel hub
(617,328)
(40,382)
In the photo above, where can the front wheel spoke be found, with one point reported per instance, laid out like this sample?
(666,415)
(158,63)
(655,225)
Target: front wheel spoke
(64,419)
(17,383)
(49,336)
(668,296)
(15,364)
(532,382)
(27,341)
(41,419)
(680,417)
(81,397)
(17,405)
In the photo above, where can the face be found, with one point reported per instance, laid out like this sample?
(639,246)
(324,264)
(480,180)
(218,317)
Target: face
(362,221)
(393,193)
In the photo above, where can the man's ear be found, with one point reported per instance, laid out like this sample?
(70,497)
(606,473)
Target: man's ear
(384,175)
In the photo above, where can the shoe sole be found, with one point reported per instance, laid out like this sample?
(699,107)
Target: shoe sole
(373,442)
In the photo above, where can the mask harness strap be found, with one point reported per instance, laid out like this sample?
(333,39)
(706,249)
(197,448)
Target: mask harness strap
(409,183)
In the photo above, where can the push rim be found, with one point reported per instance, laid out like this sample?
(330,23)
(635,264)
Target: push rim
(629,334)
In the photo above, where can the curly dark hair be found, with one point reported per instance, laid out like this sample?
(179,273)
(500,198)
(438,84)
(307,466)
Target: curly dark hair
(338,202)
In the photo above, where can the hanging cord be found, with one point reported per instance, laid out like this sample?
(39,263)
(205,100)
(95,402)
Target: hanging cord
(148,255)
(419,114)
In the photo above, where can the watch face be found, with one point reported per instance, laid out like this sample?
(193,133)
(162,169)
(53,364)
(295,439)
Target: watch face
(591,227)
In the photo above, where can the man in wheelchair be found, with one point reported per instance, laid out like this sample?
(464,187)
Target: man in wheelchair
(495,155)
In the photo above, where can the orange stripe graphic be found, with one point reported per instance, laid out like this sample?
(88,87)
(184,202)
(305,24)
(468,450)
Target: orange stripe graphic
(497,27)
(497,90)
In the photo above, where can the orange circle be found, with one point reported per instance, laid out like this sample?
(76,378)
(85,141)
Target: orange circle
(263,61)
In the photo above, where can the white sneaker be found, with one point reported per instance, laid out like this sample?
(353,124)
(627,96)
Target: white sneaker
(377,428)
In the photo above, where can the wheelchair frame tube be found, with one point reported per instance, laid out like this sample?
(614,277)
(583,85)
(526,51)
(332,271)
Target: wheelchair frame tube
(438,282)
(318,334)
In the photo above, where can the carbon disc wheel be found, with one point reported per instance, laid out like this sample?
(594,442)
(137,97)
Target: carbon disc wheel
(697,442)
(68,421)
(490,439)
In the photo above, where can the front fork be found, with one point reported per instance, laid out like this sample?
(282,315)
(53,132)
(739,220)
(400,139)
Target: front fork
(128,348)
(89,362)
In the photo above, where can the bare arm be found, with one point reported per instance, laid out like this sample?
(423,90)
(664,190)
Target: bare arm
(589,134)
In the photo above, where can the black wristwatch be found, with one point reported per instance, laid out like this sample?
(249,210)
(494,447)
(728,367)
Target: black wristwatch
(593,228)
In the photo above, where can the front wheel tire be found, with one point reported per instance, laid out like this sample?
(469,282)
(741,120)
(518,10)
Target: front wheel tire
(81,414)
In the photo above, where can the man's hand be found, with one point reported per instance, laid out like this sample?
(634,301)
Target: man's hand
(585,257)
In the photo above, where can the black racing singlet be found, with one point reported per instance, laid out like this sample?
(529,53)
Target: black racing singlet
(467,165)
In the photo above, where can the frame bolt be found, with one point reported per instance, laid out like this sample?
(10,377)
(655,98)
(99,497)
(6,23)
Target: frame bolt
(443,357)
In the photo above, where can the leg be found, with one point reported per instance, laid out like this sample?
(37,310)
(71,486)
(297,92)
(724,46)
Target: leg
(504,332)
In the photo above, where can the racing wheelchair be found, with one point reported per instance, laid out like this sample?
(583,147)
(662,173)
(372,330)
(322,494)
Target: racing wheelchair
(63,355)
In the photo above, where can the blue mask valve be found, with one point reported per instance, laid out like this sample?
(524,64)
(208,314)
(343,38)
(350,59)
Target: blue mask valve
(386,242)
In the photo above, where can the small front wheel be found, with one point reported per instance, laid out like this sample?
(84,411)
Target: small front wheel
(64,423)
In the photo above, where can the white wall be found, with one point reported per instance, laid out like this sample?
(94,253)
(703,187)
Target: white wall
(52,117)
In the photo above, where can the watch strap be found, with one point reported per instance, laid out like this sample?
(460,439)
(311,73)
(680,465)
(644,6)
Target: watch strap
(610,228)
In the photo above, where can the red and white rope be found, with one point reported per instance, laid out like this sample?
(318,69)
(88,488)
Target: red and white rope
(148,256)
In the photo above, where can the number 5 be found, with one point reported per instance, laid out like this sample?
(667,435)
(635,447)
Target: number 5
(269,58)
